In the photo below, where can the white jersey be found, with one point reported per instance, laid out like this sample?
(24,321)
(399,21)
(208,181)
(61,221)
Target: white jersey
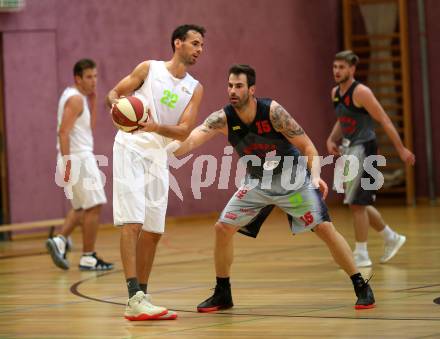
(81,139)
(167,98)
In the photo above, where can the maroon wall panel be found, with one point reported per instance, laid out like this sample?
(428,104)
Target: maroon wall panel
(30,100)
(291,44)
(432,12)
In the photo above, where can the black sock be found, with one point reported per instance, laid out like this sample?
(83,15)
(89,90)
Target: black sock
(223,282)
(133,286)
(143,287)
(357,280)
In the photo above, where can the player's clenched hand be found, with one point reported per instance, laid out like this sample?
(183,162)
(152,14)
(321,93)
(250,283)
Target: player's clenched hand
(332,148)
(321,184)
(113,103)
(148,126)
(407,156)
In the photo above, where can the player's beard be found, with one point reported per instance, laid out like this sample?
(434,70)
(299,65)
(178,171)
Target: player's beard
(241,102)
(188,59)
(343,80)
(86,89)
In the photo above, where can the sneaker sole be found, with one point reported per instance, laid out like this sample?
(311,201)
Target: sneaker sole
(144,316)
(59,262)
(394,252)
(88,268)
(364,263)
(213,309)
(171,315)
(364,307)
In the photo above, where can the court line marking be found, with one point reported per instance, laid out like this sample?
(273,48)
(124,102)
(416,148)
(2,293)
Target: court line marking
(416,288)
(74,290)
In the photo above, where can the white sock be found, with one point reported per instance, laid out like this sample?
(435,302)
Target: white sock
(388,234)
(361,247)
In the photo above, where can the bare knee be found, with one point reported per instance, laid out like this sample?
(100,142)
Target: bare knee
(358,209)
(131,229)
(325,230)
(78,215)
(224,230)
(149,237)
(95,210)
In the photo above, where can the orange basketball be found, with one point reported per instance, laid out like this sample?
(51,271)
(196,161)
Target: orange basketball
(128,112)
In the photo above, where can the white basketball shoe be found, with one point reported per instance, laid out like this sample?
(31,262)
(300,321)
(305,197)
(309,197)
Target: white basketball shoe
(362,259)
(392,247)
(139,307)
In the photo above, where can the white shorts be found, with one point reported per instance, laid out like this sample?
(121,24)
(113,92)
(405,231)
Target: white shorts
(85,188)
(140,189)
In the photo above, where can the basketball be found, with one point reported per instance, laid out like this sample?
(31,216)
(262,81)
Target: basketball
(128,112)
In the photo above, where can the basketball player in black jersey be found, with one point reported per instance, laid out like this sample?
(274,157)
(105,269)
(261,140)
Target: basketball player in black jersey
(356,109)
(270,141)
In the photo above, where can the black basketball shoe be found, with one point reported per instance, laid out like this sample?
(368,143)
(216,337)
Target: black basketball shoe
(220,300)
(365,296)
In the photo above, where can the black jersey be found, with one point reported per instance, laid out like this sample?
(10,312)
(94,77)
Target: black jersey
(356,123)
(260,139)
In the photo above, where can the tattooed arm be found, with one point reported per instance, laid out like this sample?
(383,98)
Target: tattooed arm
(283,122)
(215,123)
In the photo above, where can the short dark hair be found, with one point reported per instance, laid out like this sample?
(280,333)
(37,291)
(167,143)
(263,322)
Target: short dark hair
(82,65)
(244,69)
(181,31)
(347,56)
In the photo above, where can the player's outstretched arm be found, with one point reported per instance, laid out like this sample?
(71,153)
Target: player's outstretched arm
(215,123)
(364,97)
(128,84)
(186,122)
(284,123)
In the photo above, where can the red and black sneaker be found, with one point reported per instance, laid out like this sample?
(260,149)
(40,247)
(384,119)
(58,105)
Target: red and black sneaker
(220,300)
(365,296)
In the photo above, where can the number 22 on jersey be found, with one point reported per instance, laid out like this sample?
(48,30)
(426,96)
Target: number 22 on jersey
(169,98)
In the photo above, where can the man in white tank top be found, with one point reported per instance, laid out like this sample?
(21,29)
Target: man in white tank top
(77,168)
(140,173)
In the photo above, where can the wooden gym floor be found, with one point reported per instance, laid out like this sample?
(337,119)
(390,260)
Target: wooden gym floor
(283,286)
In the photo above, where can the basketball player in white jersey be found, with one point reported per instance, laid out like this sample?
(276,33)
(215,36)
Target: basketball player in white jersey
(140,172)
(76,118)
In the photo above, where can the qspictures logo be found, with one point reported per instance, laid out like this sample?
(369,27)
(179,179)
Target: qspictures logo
(208,170)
